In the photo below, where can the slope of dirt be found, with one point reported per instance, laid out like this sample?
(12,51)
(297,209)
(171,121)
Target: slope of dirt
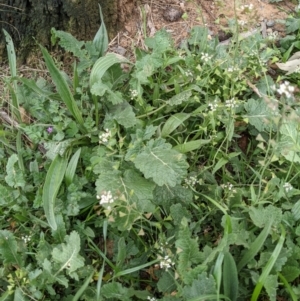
(179,16)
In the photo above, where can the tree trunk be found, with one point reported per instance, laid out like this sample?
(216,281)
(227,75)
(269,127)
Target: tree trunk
(29,21)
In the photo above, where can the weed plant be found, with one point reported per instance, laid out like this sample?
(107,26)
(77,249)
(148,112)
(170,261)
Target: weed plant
(173,177)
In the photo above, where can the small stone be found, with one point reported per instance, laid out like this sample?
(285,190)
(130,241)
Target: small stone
(269,31)
(270,23)
(172,14)
(120,50)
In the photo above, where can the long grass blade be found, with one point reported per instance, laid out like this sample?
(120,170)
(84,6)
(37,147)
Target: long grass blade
(71,169)
(101,37)
(83,287)
(288,287)
(230,277)
(267,269)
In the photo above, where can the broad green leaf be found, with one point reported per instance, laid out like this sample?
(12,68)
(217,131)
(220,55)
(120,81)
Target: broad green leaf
(19,296)
(63,88)
(14,177)
(258,114)
(9,248)
(267,269)
(166,283)
(179,98)
(101,38)
(161,41)
(161,163)
(103,64)
(262,216)
(71,169)
(230,277)
(121,252)
(191,145)
(123,114)
(289,144)
(290,273)
(219,165)
(67,254)
(52,184)
(271,285)
(173,123)
(178,212)
(296,210)
(204,285)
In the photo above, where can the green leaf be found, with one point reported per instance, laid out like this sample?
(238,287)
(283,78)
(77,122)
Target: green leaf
(63,88)
(161,41)
(71,169)
(101,38)
(270,286)
(262,216)
(290,272)
(123,114)
(230,277)
(179,98)
(166,283)
(67,254)
(161,163)
(296,210)
(204,285)
(69,43)
(191,145)
(289,144)
(219,165)
(258,114)
(173,123)
(52,184)
(19,295)
(178,212)
(14,177)
(8,249)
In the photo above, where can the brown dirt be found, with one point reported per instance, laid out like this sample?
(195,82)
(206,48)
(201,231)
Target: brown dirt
(149,16)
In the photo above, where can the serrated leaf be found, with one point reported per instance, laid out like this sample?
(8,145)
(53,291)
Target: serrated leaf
(204,285)
(67,254)
(178,212)
(161,163)
(8,248)
(289,144)
(14,177)
(258,114)
(52,184)
(161,41)
(173,123)
(179,98)
(262,216)
(68,42)
(270,286)
(290,272)
(115,291)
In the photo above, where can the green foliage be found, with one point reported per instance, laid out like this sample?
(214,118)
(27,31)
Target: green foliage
(174,177)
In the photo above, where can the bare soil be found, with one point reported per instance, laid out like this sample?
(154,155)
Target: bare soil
(148,16)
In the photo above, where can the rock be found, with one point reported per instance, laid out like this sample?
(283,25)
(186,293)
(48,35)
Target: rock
(270,23)
(172,14)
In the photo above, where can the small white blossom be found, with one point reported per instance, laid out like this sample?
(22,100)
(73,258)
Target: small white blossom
(272,36)
(242,22)
(232,69)
(105,198)
(231,103)
(134,93)
(166,263)
(191,181)
(188,73)
(103,138)
(205,57)
(287,187)
(285,89)
(151,298)
(213,106)
(26,238)
(245,7)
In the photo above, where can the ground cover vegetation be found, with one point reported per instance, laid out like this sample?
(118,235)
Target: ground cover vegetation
(171,177)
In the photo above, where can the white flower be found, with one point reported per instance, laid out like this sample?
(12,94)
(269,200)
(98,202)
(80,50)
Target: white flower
(213,106)
(231,69)
(103,138)
(231,103)
(151,298)
(191,181)
(105,198)
(134,93)
(26,238)
(205,57)
(166,263)
(285,89)
(242,22)
(287,187)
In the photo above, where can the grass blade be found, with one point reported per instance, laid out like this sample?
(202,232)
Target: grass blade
(63,88)
(173,123)
(101,37)
(52,184)
(217,273)
(288,287)
(267,269)
(83,287)
(255,246)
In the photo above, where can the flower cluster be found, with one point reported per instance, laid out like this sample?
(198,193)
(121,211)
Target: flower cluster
(228,186)
(106,198)
(166,263)
(213,106)
(205,57)
(26,238)
(134,93)
(231,69)
(231,103)
(287,187)
(191,181)
(285,89)
(247,7)
(103,138)
(151,298)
